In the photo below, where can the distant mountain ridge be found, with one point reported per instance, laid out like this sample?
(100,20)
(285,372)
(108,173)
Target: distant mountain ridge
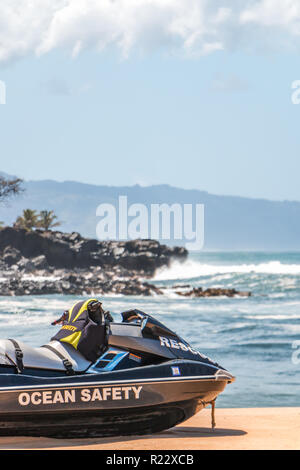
(231,222)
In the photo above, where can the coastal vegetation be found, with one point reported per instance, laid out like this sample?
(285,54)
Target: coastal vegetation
(30,220)
(9,187)
(48,220)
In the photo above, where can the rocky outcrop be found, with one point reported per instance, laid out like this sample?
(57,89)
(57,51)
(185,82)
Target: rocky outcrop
(71,250)
(79,284)
(38,262)
(213,292)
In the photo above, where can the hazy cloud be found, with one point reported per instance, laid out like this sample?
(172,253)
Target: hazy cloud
(188,27)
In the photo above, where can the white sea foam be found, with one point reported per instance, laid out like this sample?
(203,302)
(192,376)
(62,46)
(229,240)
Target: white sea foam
(288,316)
(30,277)
(194,269)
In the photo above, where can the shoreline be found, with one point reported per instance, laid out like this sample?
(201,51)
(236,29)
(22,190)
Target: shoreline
(37,262)
(237,429)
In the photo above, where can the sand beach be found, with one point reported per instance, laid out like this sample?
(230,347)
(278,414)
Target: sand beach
(237,429)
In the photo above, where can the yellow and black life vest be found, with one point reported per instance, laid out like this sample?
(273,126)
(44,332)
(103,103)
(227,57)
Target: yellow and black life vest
(82,332)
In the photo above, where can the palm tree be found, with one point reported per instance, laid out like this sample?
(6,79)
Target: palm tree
(47,220)
(28,220)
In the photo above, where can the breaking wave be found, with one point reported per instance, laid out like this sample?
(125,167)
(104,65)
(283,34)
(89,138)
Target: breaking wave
(193,269)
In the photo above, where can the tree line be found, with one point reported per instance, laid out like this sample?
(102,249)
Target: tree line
(30,219)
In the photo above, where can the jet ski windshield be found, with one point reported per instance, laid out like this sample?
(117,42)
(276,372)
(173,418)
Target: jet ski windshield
(166,342)
(151,328)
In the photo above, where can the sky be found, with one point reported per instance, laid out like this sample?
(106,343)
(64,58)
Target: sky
(191,93)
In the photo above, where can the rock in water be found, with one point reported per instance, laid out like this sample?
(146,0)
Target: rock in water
(45,262)
(213,292)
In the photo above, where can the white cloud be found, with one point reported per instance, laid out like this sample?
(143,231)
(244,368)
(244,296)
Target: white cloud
(189,27)
(279,13)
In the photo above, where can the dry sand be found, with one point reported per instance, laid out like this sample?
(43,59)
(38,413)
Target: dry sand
(251,428)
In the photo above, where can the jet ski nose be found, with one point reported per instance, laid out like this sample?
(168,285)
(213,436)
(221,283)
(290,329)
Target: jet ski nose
(225,375)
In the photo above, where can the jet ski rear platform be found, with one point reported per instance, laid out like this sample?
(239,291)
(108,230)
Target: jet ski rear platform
(148,379)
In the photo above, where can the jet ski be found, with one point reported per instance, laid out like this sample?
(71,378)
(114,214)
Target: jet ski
(147,380)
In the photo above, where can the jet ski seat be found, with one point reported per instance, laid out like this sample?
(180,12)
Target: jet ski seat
(54,355)
(42,357)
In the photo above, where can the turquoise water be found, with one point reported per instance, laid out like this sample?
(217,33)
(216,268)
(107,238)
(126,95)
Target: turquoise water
(251,337)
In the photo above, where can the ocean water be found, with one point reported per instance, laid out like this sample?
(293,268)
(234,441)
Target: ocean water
(255,338)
